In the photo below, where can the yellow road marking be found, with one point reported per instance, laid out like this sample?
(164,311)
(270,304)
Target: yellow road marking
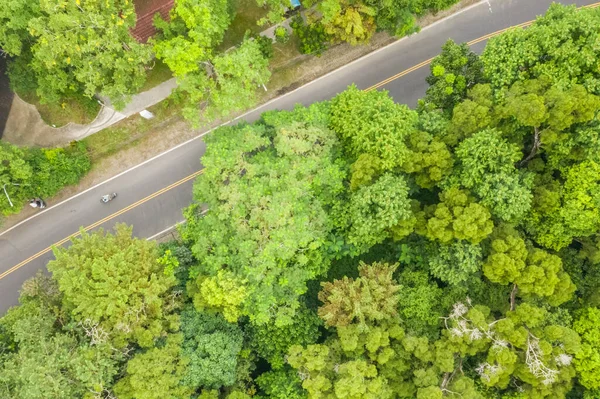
(188,178)
(472,42)
(99,222)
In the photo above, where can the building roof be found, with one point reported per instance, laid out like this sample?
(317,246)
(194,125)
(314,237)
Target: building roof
(145,10)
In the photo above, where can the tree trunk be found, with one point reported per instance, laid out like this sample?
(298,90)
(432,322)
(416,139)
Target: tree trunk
(537,142)
(513,294)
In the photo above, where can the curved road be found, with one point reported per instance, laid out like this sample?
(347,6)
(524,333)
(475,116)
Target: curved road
(152,194)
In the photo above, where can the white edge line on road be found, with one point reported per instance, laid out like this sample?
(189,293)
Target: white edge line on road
(165,230)
(171,227)
(246,113)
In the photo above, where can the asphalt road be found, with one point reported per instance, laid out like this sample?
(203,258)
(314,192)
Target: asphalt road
(143,200)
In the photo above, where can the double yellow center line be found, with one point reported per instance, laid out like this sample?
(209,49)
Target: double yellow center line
(99,222)
(427,62)
(188,178)
(472,42)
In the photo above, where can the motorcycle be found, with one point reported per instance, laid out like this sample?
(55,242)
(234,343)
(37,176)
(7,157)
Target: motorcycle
(108,197)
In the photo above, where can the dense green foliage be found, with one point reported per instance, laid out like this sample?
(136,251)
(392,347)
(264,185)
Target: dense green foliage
(355,22)
(453,73)
(33,172)
(124,291)
(56,358)
(275,184)
(224,82)
(73,51)
(75,47)
(312,37)
(352,249)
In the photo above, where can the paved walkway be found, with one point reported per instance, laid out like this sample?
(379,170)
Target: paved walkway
(24,126)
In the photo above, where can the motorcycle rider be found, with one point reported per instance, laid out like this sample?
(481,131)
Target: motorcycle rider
(37,203)
(108,197)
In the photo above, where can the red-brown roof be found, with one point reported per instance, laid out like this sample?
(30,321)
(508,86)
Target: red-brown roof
(145,10)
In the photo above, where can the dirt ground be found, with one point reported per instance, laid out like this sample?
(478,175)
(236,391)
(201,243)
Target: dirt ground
(174,130)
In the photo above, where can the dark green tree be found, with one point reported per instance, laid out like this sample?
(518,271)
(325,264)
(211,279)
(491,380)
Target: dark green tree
(211,347)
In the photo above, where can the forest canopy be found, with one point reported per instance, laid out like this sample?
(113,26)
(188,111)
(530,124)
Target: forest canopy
(357,248)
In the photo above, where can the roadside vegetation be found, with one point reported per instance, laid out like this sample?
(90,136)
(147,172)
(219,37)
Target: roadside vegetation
(356,249)
(27,173)
(61,58)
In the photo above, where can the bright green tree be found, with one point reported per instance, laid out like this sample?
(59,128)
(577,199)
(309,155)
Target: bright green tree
(38,172)
(118,282)
(15,172)
(486,164)
(379,211)
(574,145)
(562,212)
(372,123)
(429,159)
(457,216)
(86,48)
(14,20)
(543,276)
(548,109)
(473,114)
(267,227)
(364,170)
(156,373)
(559,45)
(455,70)
(225,82)
(531,271)
(507,256)
(587,360)
(195,27)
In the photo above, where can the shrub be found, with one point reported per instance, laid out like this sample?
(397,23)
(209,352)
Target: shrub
(313,39)
(56,168)
(282,35)
(42,172)
(265,45)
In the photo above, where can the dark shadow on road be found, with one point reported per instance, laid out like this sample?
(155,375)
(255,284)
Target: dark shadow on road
(6,95)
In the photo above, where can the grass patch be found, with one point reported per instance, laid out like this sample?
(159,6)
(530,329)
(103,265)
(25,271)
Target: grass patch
(159,73)
(247,13)
(79,109)
(107,141)
(284,53)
